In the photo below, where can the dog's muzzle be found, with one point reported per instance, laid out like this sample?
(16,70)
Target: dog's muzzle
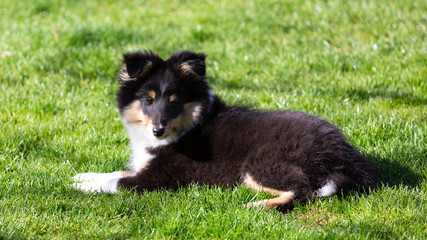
(158,131)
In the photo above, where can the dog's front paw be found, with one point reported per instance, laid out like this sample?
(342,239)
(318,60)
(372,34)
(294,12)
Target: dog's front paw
(85,177)
(97,182)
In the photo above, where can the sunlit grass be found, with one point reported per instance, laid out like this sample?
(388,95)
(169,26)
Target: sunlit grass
(359,64)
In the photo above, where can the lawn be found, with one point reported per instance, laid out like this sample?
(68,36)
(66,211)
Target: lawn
(360,64)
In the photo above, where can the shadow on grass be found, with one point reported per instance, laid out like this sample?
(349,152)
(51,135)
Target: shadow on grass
(373,230)
(84,53)
(393,173)
(396,97)
(108,35)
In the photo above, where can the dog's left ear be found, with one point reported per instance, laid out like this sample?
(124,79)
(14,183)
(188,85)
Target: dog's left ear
(190,63)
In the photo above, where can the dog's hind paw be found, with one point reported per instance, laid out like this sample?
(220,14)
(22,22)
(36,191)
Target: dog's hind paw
(262,203)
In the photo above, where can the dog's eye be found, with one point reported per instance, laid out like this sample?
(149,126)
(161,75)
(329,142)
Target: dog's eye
(148,101)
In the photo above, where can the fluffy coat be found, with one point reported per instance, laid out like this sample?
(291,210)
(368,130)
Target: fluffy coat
(181,133)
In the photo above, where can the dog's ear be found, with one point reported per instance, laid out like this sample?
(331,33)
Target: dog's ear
(138,65)
(190,63)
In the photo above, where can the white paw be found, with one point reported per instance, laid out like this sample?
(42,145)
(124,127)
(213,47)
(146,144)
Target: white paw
(95,177)
(97,182)
(85,177)
(262,203)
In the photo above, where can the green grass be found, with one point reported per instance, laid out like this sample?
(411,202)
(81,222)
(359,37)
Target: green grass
(360,64)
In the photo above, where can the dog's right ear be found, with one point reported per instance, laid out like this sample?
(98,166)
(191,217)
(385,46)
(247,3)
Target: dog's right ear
(138,65)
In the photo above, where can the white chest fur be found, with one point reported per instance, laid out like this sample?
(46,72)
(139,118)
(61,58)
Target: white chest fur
(141,141)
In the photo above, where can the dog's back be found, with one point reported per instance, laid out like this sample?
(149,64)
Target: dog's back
(285,152)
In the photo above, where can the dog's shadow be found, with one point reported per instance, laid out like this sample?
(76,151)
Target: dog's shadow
(394,173)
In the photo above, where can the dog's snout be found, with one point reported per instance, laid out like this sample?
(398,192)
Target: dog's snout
(158,132)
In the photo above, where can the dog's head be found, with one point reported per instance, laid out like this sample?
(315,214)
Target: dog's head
(163,97)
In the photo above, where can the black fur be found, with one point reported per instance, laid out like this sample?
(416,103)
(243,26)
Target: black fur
(282,150)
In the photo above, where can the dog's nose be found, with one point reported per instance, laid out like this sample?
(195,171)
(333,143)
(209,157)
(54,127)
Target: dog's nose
(158,132)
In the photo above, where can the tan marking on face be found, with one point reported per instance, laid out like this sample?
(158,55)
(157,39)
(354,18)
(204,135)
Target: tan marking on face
(190,115)
(172,98)
(283,196)
(152,94)
(133,114)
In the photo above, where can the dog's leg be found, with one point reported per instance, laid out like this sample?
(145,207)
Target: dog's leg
(284,197)
(100,182)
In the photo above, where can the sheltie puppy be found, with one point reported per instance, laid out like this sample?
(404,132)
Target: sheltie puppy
(181,133)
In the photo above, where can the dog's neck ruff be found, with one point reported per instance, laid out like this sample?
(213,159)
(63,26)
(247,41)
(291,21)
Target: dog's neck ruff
(211,101)
(142,141)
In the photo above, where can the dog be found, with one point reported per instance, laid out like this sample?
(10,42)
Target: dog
(181,133)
